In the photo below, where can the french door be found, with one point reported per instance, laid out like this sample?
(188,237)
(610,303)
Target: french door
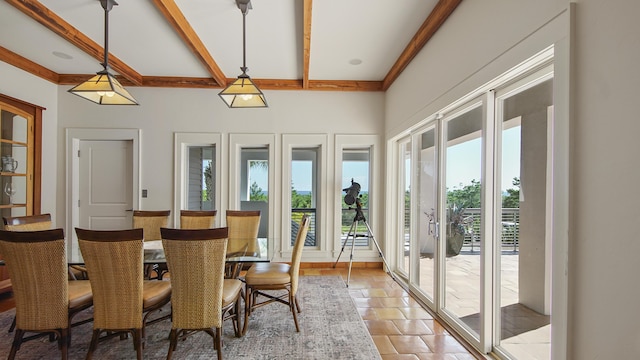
(475,231)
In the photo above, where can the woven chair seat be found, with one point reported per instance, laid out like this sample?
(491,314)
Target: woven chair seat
(80,294)
(230,290)
(268,274)
(154,292)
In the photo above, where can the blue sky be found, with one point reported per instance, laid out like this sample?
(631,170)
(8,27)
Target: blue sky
(464,157)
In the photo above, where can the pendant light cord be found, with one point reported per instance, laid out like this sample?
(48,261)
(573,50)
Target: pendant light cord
(244,41)
(107,5)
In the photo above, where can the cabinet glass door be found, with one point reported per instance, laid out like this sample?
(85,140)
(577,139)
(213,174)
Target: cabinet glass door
(16,169)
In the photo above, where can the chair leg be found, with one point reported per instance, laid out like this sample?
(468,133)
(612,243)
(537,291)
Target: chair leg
(218,341)
(13,324)
(247,310)
(17,340)
(297,304)
(94,343)
(63,343)
(293,305)
(137,342)
(173,342)
(237,321)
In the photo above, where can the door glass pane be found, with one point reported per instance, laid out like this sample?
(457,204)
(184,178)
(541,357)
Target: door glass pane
(405,174)
(303,192)
(427,205)
(355,170)
(524,237)
(462,217)
(201,178)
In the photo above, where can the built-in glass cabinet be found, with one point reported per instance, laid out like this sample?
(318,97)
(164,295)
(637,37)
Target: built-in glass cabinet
(20,160)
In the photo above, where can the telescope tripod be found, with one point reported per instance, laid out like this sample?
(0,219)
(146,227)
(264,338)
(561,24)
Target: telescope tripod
(359,217)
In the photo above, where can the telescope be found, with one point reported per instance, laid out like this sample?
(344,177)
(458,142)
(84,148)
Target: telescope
(351,193)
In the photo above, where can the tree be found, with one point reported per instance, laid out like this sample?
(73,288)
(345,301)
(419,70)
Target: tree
(256,193)
(299,201)
(208,182)
(466,197)
(512,199)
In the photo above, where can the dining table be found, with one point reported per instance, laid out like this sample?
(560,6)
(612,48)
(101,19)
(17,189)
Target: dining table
(154,254)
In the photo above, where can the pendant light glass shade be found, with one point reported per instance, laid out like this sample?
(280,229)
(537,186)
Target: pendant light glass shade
(243,93)
(104,89)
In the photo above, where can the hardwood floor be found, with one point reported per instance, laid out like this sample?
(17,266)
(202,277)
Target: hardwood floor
(399,326)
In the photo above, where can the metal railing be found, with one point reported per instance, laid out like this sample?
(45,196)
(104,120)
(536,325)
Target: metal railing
(510,235)
(296,216)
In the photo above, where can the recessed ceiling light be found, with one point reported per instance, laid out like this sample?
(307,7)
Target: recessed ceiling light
(355,61)
(62,55)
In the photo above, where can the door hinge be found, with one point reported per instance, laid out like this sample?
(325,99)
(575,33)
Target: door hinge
(78,202)
(78,153)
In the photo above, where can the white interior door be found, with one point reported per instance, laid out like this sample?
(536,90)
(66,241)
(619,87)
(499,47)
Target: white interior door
(105,186)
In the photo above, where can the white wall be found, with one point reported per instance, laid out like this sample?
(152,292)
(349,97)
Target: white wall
(604,247)
(165,111)
(484,38)
(32,89)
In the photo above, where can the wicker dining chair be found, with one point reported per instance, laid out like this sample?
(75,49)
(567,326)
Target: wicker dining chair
(151,221)
(36,223)
(40,222)
(262,277)
(27,223)
(197,219)
(243,237)
(46,300)
(201,297)
(114,260)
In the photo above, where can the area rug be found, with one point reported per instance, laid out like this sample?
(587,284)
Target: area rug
(330,328)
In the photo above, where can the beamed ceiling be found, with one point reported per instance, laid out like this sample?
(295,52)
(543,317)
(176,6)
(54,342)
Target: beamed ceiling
(343,45)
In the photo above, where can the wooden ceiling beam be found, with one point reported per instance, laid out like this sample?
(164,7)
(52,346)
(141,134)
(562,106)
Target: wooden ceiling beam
(308,5)
(174,16)
(27,65)
(55,23)
(438,15)
(264,84)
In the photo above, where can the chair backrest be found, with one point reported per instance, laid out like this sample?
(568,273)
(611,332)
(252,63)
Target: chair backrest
(197,219)
(296,256)
(196,259)
(151,222)
(27,223)
(38,266)
(114,262)
(243,232)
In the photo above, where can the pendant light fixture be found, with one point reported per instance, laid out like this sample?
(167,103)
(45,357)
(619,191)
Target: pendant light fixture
(104,88)
(243,93)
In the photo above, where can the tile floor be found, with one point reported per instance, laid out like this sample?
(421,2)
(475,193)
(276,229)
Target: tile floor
(399,326)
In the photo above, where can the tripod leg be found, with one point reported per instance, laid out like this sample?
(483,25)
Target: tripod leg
(344,244)
(379,251)
(353,243)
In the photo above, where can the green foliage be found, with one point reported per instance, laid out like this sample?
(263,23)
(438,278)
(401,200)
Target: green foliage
(466,197)
(256,194)
(512,199)
(208,182)
(299,201)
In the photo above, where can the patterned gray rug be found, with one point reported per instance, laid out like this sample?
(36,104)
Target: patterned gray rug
(330,328)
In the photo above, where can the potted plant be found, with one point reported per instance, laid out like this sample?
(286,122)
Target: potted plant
(456,228)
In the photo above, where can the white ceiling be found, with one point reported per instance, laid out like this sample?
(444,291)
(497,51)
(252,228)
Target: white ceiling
(373,31)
